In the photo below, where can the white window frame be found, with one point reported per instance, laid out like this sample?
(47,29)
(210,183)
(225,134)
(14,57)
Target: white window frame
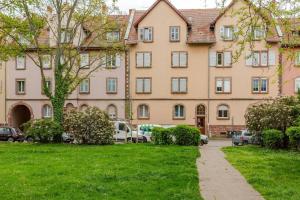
(258,32)
(20,89)
(113,36)
(46,65)
(222,109)
(144,88)
(297,85)
(228,34)
(84,87)
(143,111)
(111,85)
(179,89)
(260,84)
(177,113)
(18,64)
(178,59)
(297,58)
(143,56)
(84,60)
(146,34)
(175,33)
(47,111)
(222,80)
(66,35)
(113,115)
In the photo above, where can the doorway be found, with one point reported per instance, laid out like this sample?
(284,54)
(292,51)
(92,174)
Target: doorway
(20,114)
(200,118)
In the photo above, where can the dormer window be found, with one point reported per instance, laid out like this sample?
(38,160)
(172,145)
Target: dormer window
(65,36)
(113,36)
(146,34)
(258,32)
(174,33)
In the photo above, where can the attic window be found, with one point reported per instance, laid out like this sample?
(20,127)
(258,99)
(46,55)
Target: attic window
(113,36)
(146,34)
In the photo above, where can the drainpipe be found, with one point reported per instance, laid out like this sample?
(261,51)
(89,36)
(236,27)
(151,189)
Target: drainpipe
(208,96)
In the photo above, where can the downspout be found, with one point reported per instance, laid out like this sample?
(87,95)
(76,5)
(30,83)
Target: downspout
(208,95)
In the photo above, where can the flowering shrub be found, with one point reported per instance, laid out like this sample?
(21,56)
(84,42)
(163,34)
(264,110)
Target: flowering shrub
(91,126)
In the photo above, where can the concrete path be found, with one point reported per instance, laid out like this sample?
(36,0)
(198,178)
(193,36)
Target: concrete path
(218,179)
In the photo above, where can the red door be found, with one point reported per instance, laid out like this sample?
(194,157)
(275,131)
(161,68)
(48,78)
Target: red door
(201,124)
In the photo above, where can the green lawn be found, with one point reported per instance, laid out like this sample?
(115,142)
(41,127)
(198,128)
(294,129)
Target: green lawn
(60,172)
(275,174)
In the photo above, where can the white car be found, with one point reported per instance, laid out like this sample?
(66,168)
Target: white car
(123,131)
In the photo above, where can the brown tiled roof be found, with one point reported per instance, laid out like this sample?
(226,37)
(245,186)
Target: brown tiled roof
(199,23)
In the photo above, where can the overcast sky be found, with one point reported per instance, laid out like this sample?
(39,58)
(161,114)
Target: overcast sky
(125,5)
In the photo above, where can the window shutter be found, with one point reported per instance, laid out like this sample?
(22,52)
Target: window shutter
(222,31)
(236,33)
(147,85)
(139,85)
(183,59)
(139,59)
(227,59)
(212,58)
(264,58)
(141,34)
(175,59)
(175,85)
(183,85)
(118,60)
(151,34)
(249,59)
(272,58)
(227,85)
(297,85)
(147,59)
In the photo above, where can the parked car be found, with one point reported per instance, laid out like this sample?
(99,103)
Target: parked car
(204,139)
(11,134)
(124,130)
(242,137)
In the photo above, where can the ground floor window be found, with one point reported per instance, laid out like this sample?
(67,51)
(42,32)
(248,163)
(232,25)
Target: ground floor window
(179,112)
(143,112)
(223,112)
(112,112)
(47,111)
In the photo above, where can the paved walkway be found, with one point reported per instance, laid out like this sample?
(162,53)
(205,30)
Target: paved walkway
(218,179)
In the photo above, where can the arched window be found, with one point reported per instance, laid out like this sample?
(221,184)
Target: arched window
(69,106)
(223,112)
(297,85)
(143,112)
(200,110)
(47,111)
(112,112)
(179,112)
(83,107)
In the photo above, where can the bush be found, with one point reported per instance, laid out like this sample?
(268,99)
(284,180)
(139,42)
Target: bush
(43,130)
(273,139)
(186,135)
(162,136)
(91,126)
(294,137)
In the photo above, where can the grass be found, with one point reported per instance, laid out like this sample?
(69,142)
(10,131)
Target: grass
(37,172)
(275,174)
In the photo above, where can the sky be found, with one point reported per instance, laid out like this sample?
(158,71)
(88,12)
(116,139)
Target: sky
(125,5)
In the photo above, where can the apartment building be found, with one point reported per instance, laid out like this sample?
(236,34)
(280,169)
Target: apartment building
(182,70)
(2,92)
(105,88)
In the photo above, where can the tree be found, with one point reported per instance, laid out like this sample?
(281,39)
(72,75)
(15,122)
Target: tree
(60,31)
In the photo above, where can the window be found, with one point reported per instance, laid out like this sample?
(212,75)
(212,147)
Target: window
(223,85)
(179,112)
(227,32)
(23,40)
(297,85)
(223,112)
(179,59)
(297,58)
(143,85)
(174,33)
(113,61)
(65,36)
(146,34)
(143,112)
(20,62)
(83,107)
(179,85)
(220,59)
(20,86)
(260,85)
(111,85)
(113,36)
(261,59)
(84,87)
(258,33)
(200,110)
(143,59)
(46,61)
(112,112)
(84,60)
(47,111)
(48,85)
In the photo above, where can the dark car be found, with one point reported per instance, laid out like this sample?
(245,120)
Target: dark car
(10,134)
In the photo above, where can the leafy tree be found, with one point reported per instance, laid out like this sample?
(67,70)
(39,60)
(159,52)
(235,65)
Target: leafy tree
(63,29)
(279,113)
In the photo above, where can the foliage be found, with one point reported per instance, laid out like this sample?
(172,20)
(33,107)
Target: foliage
(91,126)
(43,130)
(77,172)
(24,24)
(273,139)
(186,135)
(162,136)
(294,136)
(279,113)
(274,174)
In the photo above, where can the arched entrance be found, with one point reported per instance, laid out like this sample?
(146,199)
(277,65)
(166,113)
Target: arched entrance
(200,118)
(19,115)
